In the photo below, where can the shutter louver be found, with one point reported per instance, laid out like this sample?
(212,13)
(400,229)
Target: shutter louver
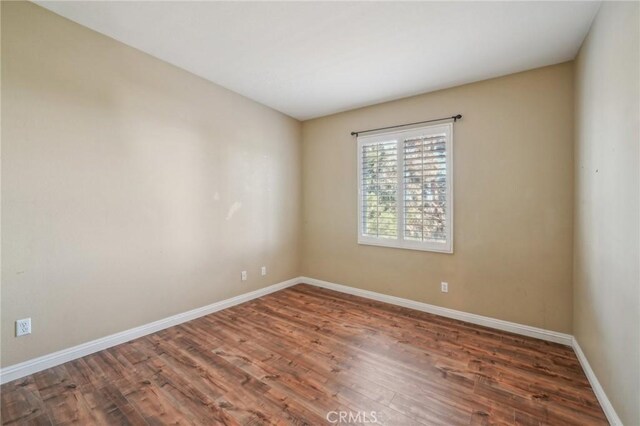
(379,188)
(425,189)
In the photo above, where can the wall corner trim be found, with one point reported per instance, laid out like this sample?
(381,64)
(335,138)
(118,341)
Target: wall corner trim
(606,405)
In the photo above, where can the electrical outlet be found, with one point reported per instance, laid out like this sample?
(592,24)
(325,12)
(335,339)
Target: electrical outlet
(23,327)
(444,287)
(243,275)
(263,271)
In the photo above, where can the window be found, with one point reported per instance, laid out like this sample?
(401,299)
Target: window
(405,189)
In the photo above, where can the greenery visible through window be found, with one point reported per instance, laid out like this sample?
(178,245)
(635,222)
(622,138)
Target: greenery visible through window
(425,187)
(380,185)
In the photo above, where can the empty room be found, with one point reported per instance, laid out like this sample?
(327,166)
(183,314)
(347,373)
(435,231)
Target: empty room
(320,213)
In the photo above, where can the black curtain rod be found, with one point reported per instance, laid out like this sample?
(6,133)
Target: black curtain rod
(453,117)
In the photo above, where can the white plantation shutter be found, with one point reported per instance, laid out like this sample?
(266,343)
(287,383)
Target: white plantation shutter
(379,189)
(405,182)
(425,188)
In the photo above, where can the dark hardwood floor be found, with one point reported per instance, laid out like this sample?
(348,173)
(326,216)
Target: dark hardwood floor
(298,355)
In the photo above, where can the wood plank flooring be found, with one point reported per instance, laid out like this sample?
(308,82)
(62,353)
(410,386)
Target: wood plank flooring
(298,355)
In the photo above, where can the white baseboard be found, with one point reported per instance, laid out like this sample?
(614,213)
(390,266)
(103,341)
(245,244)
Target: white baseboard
(525,330)
(26,368)
(539,333)
(608,409)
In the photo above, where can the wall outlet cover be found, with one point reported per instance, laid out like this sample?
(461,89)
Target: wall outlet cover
(23,327)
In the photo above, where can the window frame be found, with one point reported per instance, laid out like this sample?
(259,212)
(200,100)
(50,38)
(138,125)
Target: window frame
(399,136)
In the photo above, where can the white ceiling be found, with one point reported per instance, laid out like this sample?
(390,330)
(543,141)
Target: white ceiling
(308,59)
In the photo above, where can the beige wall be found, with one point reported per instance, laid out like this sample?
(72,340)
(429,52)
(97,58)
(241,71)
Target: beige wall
(607,215)
(131,190)
(513,201)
